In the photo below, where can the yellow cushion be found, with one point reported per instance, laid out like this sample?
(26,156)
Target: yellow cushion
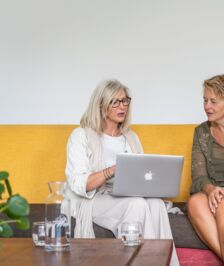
(36,154)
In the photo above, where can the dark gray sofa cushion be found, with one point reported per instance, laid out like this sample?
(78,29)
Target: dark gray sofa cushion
(183,233)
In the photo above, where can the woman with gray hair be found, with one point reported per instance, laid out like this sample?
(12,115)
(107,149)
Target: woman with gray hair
(91,156)
(206,205)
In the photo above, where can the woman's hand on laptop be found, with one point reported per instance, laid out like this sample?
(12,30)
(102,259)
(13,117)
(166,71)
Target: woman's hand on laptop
(112,169)
(97,179)
(109,172)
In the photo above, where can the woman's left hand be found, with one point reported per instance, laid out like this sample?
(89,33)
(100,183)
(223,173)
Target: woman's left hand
(215,195)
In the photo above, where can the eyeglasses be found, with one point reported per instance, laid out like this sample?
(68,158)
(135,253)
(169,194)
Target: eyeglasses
(115,102)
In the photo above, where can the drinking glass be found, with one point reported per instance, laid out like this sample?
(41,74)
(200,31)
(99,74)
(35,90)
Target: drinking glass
(131,233)
(57,219)
(38,233)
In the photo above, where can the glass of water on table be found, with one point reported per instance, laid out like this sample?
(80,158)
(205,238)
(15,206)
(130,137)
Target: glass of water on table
(38,233)
(131,233)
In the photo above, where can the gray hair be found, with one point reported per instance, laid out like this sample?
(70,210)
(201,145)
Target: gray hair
(215,84)
(96,112)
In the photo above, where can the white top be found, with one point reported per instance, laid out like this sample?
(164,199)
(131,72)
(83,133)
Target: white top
(111,146)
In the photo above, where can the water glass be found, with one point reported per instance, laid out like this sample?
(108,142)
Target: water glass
(38,233)
(131,233)
(57,218)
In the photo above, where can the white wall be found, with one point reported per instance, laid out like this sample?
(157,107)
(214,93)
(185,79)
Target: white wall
(53,53)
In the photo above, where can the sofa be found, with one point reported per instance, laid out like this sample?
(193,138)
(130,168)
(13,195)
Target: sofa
(36,154)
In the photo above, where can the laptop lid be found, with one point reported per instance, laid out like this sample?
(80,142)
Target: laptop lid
(147,175)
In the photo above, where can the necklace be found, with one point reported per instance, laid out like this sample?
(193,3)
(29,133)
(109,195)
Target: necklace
(118,140)
(125,141)
(115,133)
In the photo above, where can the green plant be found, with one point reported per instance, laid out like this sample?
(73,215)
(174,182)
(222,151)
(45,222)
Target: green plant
(13,209)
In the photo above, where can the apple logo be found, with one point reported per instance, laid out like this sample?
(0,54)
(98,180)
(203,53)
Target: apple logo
(148,175)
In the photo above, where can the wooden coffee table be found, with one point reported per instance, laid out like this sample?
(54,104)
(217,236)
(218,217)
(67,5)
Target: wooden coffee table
(86,252)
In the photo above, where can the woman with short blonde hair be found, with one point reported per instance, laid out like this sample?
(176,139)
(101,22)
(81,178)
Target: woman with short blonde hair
(206,203)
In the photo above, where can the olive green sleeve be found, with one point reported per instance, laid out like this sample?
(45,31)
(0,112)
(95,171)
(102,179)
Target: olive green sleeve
(199,172)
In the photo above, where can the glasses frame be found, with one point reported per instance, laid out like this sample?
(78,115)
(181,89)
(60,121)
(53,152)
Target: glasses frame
(117,102)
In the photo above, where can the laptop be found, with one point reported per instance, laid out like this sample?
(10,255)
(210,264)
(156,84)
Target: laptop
(147,175)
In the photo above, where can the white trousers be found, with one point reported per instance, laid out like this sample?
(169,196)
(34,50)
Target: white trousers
(110,212)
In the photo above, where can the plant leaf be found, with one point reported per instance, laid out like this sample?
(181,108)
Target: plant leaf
(2,189)
(17,206)
(5,230)
(8,186)
(23,223)
(3,175)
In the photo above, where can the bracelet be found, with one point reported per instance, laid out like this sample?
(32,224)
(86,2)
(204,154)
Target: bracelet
(106,173)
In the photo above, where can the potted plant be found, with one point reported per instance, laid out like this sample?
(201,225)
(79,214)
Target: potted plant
(13,208)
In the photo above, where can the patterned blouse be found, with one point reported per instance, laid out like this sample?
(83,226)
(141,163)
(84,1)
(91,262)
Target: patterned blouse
(207,159)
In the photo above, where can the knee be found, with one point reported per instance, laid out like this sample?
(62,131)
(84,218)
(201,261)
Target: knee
(193,203)
(138,203)
(155,204)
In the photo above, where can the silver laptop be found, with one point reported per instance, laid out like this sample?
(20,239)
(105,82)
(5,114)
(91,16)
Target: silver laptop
(147,175)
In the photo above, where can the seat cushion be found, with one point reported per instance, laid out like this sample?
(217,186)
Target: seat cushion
(183,233)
